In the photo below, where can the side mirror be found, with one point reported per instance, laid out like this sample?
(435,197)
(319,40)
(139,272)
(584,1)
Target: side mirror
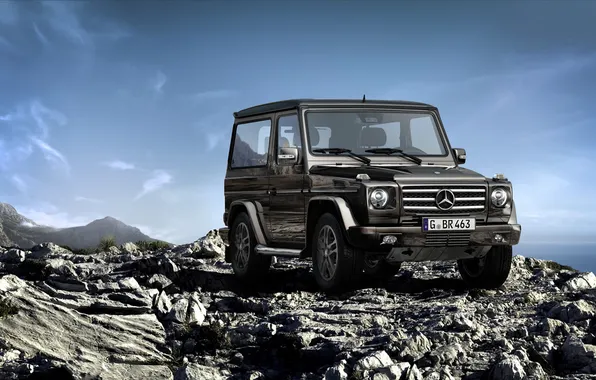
(460,155)
(288,156)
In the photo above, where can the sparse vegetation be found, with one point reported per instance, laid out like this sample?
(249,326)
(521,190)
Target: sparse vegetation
(67,247)
(7,308)
(212,337)
(106,242)
(152,245)
(556,266)
(85,251)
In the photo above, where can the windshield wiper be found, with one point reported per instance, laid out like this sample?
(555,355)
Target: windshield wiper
(390,151)
(358,157)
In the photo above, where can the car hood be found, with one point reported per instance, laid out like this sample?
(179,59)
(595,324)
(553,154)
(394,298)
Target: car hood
(405,174)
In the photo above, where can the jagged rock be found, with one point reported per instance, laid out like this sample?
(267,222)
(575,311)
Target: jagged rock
(113,346)
(129,248)
(211,245)
(49,250)
(577,356)
(198,372)
(582,281)
(159,281)
(13,256)
(138,313)
(509,369)
(339,371)
(373,361)
(392,372)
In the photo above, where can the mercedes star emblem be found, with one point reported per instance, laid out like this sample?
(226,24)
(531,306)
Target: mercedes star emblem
(445,199)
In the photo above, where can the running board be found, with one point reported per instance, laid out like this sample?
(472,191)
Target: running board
(282,252)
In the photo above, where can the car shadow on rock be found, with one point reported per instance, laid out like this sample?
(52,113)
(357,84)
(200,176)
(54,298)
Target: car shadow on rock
(301,279)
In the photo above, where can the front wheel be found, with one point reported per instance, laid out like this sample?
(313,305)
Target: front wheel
(490,271)
(246,263)
(336,265)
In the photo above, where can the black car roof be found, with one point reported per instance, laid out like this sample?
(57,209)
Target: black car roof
(285,105)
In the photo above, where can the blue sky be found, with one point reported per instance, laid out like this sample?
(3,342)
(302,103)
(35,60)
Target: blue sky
(125,109)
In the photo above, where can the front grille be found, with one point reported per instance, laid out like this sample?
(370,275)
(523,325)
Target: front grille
(421,200)
(447,239)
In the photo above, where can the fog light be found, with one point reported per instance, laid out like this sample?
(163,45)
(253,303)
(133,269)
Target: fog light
(389,239)
(498,238)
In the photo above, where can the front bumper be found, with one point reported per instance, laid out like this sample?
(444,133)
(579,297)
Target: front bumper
(370,238)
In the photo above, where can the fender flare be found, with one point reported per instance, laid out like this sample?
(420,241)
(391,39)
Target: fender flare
(513,216)
(343,211)
(251,210)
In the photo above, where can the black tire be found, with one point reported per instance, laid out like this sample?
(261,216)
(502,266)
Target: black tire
(348,261)
(249,265)
(379,269)
(489,272)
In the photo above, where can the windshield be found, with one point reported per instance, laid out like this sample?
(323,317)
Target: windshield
(414,133)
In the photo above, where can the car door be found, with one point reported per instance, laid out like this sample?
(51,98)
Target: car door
(286,183)
(247,177)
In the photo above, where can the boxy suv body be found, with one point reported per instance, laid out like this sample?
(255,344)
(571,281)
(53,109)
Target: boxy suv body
(360,186)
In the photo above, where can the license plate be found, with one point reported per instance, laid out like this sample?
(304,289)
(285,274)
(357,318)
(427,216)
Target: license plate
(448,224)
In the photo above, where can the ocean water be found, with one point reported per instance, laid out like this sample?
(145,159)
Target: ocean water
(579,256)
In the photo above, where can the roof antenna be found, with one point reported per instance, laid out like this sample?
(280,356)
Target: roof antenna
(363,98)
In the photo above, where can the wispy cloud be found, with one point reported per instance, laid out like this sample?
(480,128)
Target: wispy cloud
(39,112)
(31,125)
(47,214)
(42,37)
(212,95)
(158,81)
(51,154)
(213,140)
(86,199)
(159,179)
(119,165)
(63,18)
(19,183)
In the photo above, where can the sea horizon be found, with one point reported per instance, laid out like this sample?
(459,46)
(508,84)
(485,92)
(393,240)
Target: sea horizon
(578,255)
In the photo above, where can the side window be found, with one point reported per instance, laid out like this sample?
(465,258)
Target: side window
(288,132)
(425,136)
(251,144)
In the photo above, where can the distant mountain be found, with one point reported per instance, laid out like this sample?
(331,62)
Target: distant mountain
(16,229)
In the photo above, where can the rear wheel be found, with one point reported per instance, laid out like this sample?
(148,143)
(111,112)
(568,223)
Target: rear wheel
(490,271)
(336,265)
(379,269)
(246,263)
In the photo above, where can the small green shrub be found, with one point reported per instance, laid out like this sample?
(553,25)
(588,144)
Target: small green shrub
(6,308)
(85,251)
(556,266)
(106,242)
(152,245)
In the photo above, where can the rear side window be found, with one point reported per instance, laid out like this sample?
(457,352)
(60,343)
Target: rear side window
(251,144)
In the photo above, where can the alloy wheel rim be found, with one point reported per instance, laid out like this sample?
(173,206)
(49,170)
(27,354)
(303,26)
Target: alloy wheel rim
(327,250)
(242,240)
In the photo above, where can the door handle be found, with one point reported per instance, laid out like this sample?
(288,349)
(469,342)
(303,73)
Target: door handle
(273,191)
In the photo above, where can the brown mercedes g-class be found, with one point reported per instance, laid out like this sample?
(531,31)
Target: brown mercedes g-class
(360,186)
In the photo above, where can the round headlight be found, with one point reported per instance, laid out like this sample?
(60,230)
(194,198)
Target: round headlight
(498,197)
(379,198)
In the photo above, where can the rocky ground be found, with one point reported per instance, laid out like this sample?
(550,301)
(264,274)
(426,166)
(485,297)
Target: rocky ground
(179,314)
